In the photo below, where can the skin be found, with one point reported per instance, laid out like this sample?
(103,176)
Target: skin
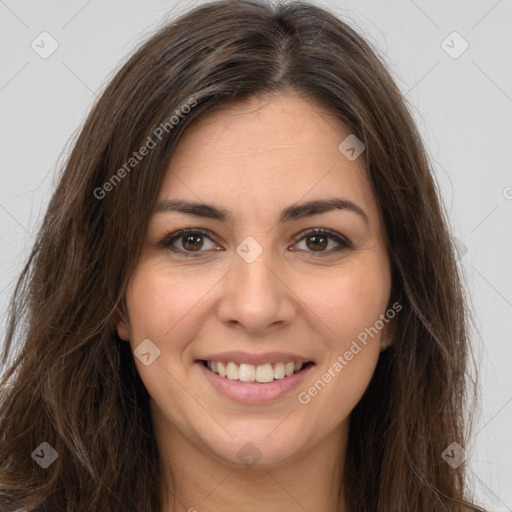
(254,159)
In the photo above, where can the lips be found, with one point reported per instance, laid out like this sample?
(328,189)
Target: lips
(253,393)
(254,378)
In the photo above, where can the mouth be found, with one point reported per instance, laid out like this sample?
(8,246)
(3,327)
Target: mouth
(254,384)
(251,373)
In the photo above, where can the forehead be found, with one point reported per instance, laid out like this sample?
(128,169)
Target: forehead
(266,152)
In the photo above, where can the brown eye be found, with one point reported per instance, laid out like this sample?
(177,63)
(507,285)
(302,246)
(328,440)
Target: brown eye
(192,242)
(189,242)
(315,242)
(318,240)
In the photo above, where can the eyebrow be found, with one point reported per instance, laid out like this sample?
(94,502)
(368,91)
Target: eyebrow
(293,212)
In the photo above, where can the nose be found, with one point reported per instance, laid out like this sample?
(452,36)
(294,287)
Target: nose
(256,295)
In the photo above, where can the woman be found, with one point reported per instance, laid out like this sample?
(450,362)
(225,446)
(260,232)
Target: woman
(243,295)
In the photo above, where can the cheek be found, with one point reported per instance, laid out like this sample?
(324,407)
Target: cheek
(350,303)
(167,307)
(333,396)
(349,300)
(161,302)
(163,307)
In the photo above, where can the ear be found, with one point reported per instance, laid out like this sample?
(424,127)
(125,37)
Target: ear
(387,335)
(122,331)
(121,326)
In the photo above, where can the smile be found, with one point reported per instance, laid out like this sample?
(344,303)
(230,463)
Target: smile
(262,373)
(253,384)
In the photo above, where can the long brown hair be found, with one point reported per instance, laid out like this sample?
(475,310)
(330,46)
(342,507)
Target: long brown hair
(70,382)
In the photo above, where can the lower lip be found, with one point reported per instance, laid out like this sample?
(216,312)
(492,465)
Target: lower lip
(254,392)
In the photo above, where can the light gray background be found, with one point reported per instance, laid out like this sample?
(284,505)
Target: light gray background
(463,107)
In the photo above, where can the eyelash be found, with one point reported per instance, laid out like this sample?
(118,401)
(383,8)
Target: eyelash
(170,238)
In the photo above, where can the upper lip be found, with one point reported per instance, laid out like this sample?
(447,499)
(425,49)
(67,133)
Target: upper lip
(256,359)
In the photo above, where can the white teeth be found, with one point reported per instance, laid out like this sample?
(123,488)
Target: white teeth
(250,373)
(221,370)
(279,372)
(264,373)
(247,373)
(232,371)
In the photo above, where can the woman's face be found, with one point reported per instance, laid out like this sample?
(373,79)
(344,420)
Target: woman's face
(257,291)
